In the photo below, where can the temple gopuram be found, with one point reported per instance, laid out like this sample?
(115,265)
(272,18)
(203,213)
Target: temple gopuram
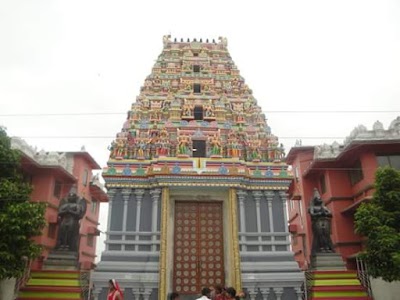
(197,186)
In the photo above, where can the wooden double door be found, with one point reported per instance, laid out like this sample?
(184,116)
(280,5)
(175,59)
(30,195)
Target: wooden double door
(198,246)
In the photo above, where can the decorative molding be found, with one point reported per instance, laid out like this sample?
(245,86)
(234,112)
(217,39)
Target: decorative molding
(235,240)
(162,290)
(126,193)
(360,134)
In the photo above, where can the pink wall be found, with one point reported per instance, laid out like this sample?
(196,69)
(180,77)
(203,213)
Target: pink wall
(43,181)
(340,195)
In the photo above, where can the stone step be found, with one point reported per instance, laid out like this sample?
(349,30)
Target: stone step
(328,258)
(329,263)
(62,256)
(59,268)
(61,262)
(330,268)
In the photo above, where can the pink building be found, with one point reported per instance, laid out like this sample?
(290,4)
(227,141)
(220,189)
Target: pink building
(52,175)
(344,175)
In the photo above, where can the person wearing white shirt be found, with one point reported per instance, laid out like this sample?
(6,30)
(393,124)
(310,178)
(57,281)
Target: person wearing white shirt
(205,294)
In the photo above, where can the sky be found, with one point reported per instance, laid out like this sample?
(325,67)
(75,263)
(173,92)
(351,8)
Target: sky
(317,68)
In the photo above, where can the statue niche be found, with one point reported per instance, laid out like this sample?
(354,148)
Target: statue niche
(321,218)
(70,212)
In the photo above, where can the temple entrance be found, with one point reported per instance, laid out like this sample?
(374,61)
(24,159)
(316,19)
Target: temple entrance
(198,246)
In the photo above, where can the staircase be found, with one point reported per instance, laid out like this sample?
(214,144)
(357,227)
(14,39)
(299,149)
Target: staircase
(330,280)
(334,285)
(52,284)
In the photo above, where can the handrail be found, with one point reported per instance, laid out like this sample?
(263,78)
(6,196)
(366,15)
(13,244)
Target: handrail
(21,281)
(85,284)
(308,277)
(363,276)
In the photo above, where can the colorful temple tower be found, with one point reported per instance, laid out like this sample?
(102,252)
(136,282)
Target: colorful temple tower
(196,185)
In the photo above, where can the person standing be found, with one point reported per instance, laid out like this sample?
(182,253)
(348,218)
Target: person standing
(114,291)
(230,293)
(219,292)
(174,296)
(205,294)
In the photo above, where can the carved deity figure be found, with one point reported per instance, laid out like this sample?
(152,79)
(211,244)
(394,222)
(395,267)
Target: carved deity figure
(183,145)
(187,110)
(208,111)
(255,149)
(142,147)
(166,40)
(321,224)
(120,148)
(215,145)
(70,211)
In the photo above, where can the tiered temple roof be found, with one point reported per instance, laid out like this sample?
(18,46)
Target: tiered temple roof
(195,104)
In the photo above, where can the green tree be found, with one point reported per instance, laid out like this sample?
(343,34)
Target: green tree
(20,220)
(379,222)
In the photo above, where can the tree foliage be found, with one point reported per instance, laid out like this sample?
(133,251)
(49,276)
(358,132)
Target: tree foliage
(379,222)
(20,220)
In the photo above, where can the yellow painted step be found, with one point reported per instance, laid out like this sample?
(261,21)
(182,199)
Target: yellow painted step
(53,282)
(338,294)
(336,276)
(335,282)
(50,295)
(60,275)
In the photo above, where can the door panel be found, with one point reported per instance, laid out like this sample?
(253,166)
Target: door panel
(198,250)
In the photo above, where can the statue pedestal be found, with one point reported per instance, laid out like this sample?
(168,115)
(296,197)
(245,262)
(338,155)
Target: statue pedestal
(61,260)
(328,261)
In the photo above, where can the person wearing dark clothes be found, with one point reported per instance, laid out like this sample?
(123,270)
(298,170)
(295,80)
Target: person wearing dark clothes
(174,296)
(230,293)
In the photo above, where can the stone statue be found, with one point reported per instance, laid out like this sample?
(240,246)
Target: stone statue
(70,211)
(321,219)
(166,40)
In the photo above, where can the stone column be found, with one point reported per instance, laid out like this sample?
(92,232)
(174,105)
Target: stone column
(283,195)
(257,197)
(242,196)
(155,196)
(278,293)
(95,293)
(253,295)
(146,294)
(139,197)
(299,293)
(111,194)
(265,293)
(126,193)
(270,196)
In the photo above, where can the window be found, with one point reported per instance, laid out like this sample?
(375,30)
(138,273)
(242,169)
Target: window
(94,206)
(198,113)
(51,232)
(356,174)
(199,149)
(57,189)
(322,184)
(195,54)
(196,69)
(196,88)
(85,177)
(389,160)
(90,240)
